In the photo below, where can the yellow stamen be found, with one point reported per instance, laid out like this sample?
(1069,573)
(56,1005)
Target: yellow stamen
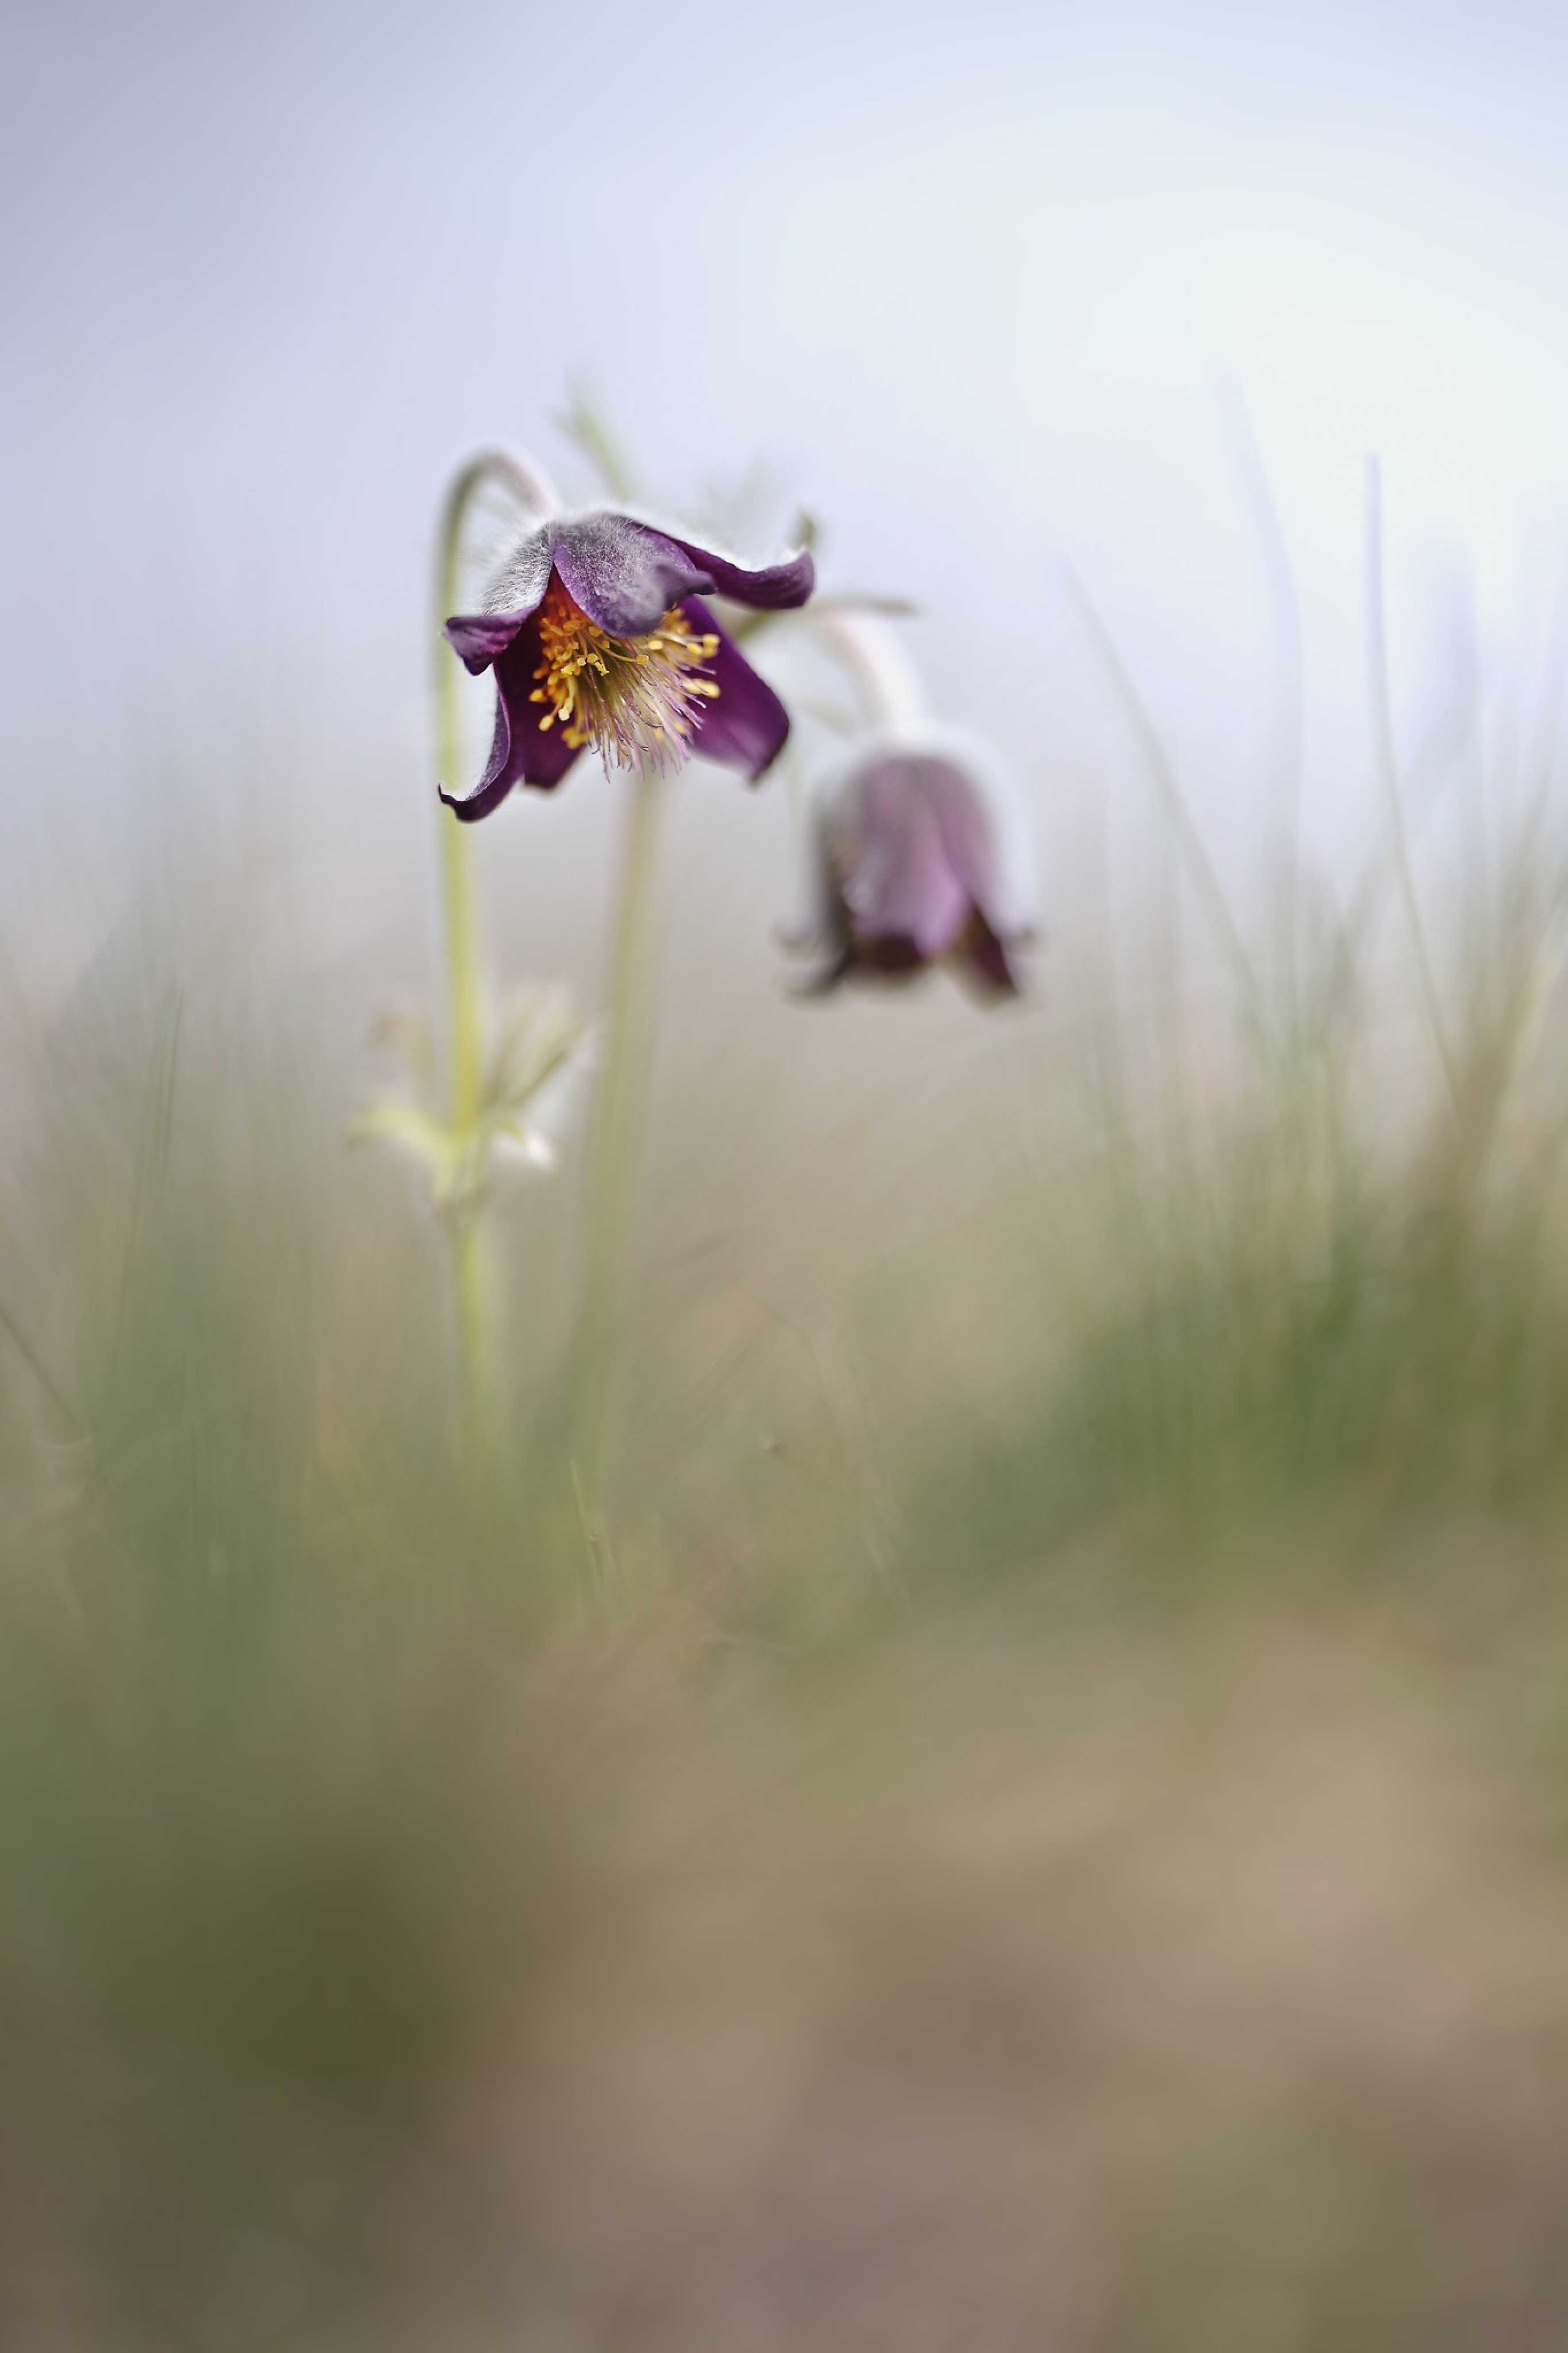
(635,700)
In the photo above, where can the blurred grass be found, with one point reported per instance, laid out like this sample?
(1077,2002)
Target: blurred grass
(1038,1818)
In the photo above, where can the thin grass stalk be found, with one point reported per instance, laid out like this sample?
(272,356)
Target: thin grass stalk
(30,1356)
(1289,688)
(1172,801)
(1549,729)
(1388,772)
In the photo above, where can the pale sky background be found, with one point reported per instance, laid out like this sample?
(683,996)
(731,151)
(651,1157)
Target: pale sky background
(971,282)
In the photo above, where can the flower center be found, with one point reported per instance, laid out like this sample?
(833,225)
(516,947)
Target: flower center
(635,700)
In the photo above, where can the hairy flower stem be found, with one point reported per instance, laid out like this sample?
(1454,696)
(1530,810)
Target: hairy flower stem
(460,936)
(885,679)
(614,1146)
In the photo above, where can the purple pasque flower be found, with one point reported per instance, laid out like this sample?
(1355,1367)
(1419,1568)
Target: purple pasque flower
(921,858)
(599,640)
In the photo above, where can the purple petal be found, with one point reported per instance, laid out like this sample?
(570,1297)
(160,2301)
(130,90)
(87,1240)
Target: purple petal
(960,818)
(521,752)
(986,958)
(770,587)
(746,725)
(516,592)
(477,639)
(624,575)
(904,887)
(891,955)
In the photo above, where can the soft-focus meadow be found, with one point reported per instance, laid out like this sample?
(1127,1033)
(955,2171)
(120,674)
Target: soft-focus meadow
(1020,1803)
(1033,1812)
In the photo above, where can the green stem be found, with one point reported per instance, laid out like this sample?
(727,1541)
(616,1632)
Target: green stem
(461,938)
(1289,691)
(614,1143)
(470,1297)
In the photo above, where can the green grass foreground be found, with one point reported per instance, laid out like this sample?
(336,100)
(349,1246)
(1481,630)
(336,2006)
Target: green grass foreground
(1037,1818)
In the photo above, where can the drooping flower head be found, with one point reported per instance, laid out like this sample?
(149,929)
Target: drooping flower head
(919,849)
(599,638)
(917,865)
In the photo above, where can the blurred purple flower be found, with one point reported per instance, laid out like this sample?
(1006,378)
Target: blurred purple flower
(920,861)
(598,636)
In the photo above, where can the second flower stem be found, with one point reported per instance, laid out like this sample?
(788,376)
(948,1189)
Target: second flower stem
(615,1141)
